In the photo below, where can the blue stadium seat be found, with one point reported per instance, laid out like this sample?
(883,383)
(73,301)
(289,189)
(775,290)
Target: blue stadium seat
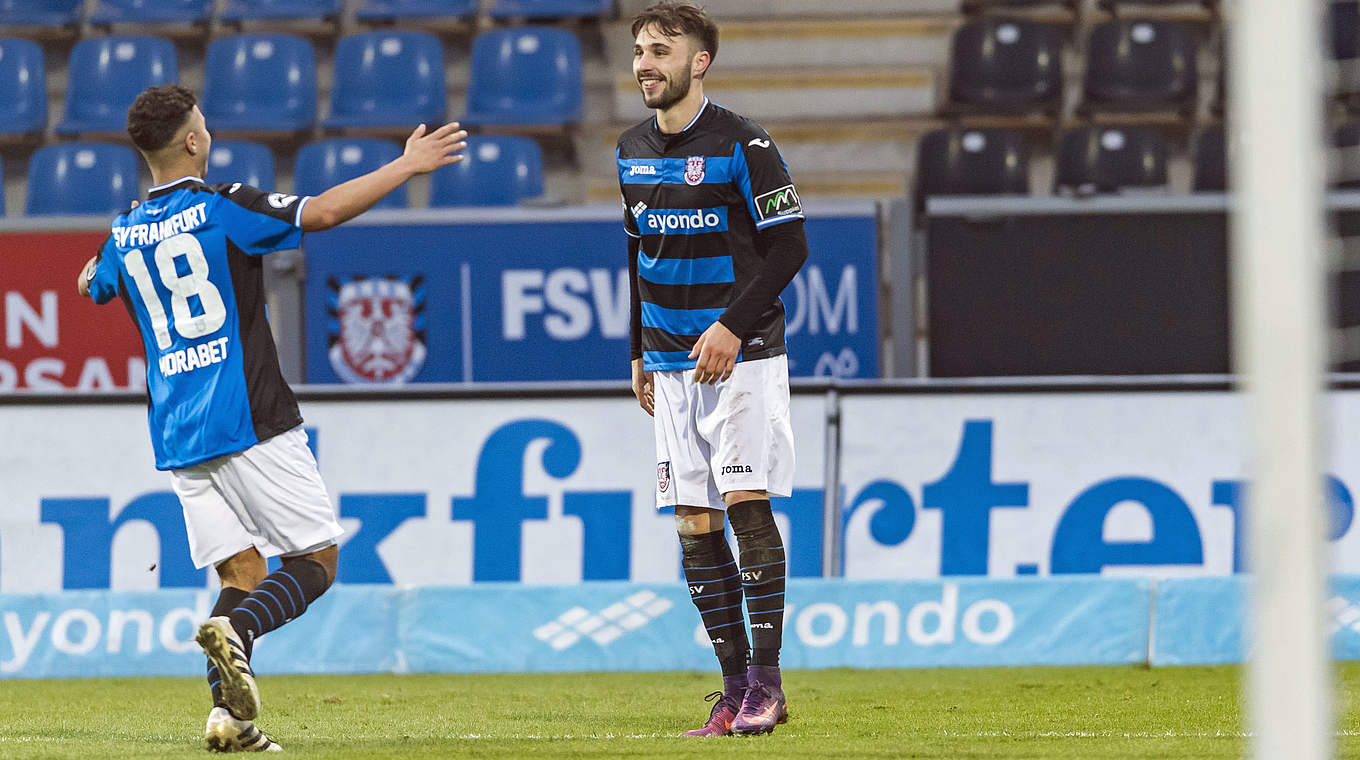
(1141,64)
(391,10)
(1110,159)
(152,11)
(497,171)
(260,83)
(535,9)
(107,73)
(23,87)
(528,76)
(385,79)
(39,12)
(81,178)
(279,10)
(241,161)
(972,162)
(1010,65)
(324,164)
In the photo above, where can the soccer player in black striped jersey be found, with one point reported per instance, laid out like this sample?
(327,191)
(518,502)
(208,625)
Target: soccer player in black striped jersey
(715,232)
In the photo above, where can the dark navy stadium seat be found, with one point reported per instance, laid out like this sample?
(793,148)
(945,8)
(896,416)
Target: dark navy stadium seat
(23,87)
(260,82)
(81,178)
(279,10)
(388,79)
(551,8)
(107,73)
(1006,65)
(1344,165)
(529,75)
(241,161)
(151,11)
(972,162)
(39,12)
(388,10)
(1109,159)
(1143,64)
(1211,160)
(497,171)
(322,165)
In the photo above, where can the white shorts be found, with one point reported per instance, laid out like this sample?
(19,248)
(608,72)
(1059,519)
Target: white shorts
(269,496)
(731,436)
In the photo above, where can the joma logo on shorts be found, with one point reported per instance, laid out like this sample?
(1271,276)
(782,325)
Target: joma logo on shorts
(735,469)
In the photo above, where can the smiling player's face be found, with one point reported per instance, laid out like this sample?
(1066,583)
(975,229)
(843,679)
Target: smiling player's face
(662,67)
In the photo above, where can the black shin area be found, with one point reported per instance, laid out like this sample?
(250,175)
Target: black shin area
(715,588)
(762,576)
(282,596)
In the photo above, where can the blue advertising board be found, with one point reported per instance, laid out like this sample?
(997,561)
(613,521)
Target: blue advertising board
(542,295)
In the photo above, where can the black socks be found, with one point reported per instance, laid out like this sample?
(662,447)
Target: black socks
(281,596)
(715,588)
(762,576)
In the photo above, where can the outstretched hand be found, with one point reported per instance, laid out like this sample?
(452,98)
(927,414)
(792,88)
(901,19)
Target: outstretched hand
(427,151)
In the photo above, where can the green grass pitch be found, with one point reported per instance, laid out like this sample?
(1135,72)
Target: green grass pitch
(994,713)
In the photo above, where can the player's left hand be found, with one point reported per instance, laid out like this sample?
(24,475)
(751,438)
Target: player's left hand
(717,351)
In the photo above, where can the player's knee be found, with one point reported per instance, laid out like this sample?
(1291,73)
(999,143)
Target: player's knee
(327,558)
(695,521)
(243,570)
(753,518)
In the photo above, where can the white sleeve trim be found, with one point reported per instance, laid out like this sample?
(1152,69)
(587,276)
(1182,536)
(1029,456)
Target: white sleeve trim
(631,233)
(297,220)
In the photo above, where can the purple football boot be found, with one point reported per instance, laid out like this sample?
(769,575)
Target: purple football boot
(764,707)
(724,710)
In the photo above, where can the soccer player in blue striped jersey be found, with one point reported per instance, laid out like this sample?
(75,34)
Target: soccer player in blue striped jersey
(715,232)
(186,264)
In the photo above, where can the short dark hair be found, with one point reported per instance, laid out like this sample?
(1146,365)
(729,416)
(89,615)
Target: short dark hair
(676,17)
(157,114)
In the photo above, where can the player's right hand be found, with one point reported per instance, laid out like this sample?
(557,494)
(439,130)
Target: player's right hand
(643,388)
(427,151)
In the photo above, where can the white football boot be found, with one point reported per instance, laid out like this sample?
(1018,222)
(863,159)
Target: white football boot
(225,733)
(224,648)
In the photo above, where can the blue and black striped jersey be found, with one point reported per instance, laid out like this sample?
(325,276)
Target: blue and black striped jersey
(186,264)
(696,200)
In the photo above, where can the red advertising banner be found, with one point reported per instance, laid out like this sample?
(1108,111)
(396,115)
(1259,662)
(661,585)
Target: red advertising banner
(52,339)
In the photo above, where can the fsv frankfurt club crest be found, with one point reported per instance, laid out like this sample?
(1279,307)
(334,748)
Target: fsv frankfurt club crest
(377,329)
(694,170)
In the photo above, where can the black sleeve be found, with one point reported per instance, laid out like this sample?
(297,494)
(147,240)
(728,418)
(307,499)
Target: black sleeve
(281,206)
(634,301)
(784,247)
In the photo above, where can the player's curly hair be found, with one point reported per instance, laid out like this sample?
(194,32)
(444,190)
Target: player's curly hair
(157,114)
(676,17)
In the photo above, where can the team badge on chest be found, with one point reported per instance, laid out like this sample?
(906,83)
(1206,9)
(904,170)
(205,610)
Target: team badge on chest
(694,170)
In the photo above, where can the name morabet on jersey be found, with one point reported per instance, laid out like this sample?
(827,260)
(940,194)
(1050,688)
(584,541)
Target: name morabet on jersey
(696,199)
(187,264)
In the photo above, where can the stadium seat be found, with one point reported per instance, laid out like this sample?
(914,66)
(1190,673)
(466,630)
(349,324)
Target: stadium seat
(1110,159)
(152,11)
(241,161)
(1006,65)
(1211,161)
(497,171)
(392,10)
(23,87)
(538,9)
(107,73)
(972,162)
(385,79)
(1344,166)
(237,11)
(528,76)
(81,178)
(1138,65)
(260,82)
(322,165)
(39,12)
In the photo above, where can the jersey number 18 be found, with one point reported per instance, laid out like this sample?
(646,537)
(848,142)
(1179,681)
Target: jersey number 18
(181,287)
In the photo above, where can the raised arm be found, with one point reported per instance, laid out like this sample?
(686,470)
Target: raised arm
(425,152)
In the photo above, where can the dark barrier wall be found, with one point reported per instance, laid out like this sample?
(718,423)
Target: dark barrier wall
(544,296)
(1077,294)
